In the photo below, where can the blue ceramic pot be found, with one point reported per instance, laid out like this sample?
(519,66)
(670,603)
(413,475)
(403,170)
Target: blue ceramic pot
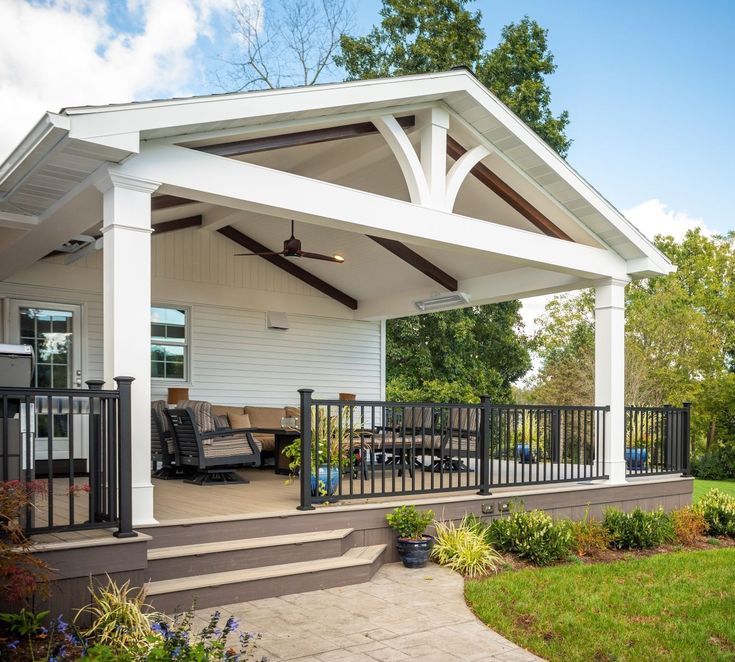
(325,480)
(414,553)
(636,458)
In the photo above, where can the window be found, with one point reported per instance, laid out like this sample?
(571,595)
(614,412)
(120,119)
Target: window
(169,340)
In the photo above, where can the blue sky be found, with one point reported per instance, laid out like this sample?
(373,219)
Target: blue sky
(650,90)
(648,85)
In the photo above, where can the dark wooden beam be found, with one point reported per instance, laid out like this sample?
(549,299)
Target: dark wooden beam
(178,224)
(166,201)
(266,143)
(411,257)
(506,193)
(289,267)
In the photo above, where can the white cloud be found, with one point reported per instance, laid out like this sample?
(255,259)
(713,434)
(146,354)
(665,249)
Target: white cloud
(69,52)
(654,217)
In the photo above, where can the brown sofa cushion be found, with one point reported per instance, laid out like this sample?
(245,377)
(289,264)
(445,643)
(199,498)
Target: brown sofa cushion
(265,417)
(225,410)
(239,421)
(293,411)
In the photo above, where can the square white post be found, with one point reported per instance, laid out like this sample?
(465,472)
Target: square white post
(126,230)
(610,371)
(433,125)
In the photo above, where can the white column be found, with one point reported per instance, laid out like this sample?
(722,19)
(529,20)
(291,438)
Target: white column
(610,371)
(126,230)
(433,125)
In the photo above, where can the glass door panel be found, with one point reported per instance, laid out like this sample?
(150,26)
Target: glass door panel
(53,332)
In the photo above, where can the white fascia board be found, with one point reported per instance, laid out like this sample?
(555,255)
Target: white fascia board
(499,110)
(270,103)
(38,144)
(494,288)
(242,185)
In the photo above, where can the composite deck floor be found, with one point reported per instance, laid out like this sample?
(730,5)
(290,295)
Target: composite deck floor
(267,492)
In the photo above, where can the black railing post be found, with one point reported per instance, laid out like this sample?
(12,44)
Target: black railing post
(305,471)
(484,445)
(669,456)
(555,435)
(687,439)
(95,457)
(125,460)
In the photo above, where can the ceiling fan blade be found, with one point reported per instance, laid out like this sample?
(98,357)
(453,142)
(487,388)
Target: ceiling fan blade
(257,254)
(326,258)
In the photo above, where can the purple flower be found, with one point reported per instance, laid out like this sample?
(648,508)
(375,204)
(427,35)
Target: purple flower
(13,645)
(232,623)
(61,625)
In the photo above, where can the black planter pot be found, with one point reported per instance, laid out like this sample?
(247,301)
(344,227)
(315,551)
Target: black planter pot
(415,553)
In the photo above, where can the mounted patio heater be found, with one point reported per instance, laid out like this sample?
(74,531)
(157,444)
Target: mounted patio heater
(16,371)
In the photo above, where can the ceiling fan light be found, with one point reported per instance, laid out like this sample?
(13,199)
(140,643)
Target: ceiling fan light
(339,258)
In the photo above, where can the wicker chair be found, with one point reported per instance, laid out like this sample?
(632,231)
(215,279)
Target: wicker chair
(163,448)
(214,455)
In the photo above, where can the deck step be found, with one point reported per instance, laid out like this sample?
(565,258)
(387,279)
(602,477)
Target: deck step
(166,563)
(356,565)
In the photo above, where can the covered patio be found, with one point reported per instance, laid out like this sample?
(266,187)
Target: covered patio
(430,193)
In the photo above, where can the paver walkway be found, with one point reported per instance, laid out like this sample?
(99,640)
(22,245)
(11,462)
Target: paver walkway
(400,614)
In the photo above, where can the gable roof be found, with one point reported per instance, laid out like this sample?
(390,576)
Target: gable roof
(65,148)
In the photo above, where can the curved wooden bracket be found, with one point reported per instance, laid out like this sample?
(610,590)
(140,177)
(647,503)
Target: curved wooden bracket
(459,172)
(406,156)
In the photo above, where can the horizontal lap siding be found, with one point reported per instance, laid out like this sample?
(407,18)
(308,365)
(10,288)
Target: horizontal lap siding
(237,360)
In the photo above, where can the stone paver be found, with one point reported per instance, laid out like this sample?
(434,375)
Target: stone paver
(399,615)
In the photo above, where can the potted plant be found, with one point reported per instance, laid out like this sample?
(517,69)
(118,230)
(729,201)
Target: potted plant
(330,454)
(413,545)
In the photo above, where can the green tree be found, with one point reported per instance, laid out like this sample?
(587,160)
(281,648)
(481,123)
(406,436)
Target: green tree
(680,335)
(476,350)
(419,36)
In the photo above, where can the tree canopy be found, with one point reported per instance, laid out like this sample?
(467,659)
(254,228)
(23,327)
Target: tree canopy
(680,339)
(419,36)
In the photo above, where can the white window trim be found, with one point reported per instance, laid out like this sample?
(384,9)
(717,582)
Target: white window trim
(166,381)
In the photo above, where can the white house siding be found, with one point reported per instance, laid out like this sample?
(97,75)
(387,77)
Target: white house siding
(234,358)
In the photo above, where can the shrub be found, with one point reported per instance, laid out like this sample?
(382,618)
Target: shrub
(689,525)
(22,575)
(718,510)
(408,522)
(532,535)
(463,548)
(589,537)
(120,618)
(717,464)
(638,529)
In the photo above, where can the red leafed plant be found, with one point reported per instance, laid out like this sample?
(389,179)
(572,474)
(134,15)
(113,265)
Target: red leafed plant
(21,573)
(79,489)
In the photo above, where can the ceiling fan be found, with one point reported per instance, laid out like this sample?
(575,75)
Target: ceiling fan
(292,248)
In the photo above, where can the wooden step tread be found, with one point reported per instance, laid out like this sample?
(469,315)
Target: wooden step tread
(246,543)
(354,557)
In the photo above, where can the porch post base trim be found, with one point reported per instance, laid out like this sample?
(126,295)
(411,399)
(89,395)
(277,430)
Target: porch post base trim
(305,508)
(616,473)
(143,505)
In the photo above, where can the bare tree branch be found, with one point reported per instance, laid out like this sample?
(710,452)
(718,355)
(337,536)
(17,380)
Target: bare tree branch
(279,43)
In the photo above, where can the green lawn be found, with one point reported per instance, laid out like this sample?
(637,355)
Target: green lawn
(703,486)
(676,606)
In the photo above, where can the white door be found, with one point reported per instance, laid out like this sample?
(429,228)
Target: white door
(54,332)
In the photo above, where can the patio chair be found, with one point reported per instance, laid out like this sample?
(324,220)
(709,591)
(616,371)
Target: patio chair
(163,448)
(214,455)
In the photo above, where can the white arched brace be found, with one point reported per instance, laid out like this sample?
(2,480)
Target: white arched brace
(459,171)
(406,156)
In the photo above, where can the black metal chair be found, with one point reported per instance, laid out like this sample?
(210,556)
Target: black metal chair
(214,455)
(163,448)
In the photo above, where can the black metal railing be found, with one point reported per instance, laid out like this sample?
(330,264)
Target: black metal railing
(79,490)
(360,449)
(657,440)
